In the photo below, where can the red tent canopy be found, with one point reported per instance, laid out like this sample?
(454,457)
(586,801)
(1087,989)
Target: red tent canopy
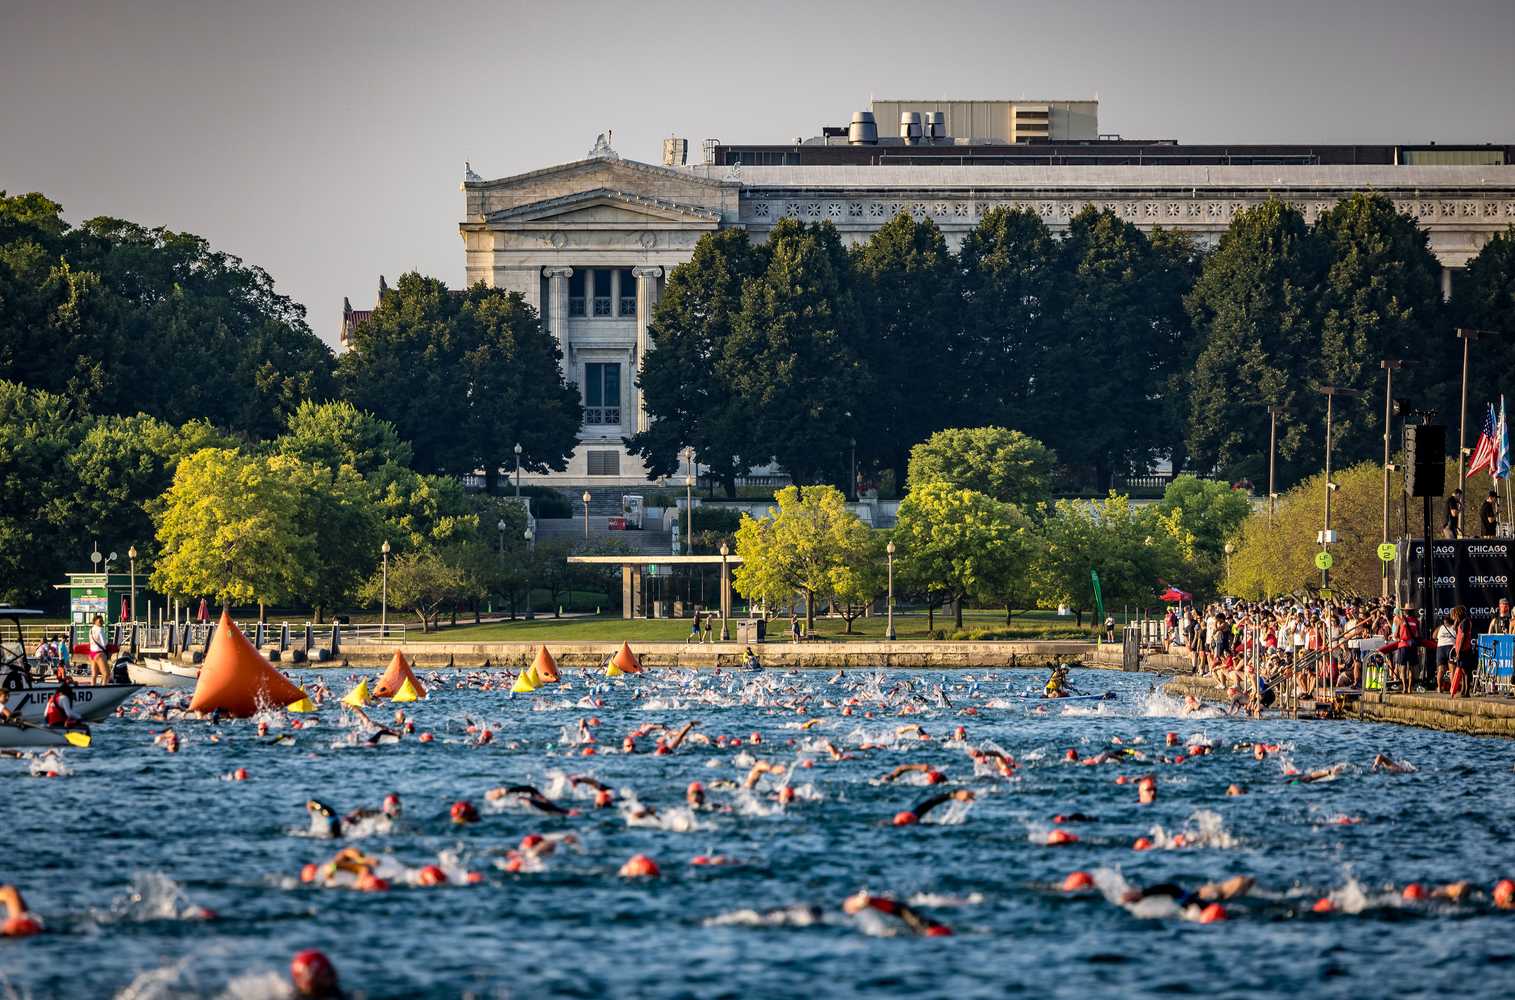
(1174,596)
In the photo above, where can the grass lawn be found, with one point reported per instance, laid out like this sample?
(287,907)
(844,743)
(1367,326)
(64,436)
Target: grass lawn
(1026,625)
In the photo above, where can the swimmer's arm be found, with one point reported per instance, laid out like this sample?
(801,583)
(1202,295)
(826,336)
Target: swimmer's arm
(678,737)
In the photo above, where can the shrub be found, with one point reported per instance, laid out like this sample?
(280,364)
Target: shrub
(547,502)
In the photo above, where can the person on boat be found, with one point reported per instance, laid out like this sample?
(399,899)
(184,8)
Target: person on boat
(60,706)
(19,922)
(15,677)
(7,714)
(313,976)
(1057,684)
(912,918)
(99,673)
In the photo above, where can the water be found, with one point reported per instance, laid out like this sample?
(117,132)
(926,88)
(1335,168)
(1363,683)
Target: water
(123,853)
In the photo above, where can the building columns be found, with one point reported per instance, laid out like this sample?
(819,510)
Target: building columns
(1446,284)
(557,312)
(647,298)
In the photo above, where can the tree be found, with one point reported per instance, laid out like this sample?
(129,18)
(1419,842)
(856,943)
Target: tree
(129,319)
(804,545)
(1208,509)
(419,511)
(908,302)
(463,378)
(1131,548)
(336,434)
(956,544)
(225,528)
(339,524)
(422,581)
(793,356)
(38,432)
(1115,344)
(1010,287)
(1484,299)
(1254,309)
(686,396)
(1003,464)
(860,580)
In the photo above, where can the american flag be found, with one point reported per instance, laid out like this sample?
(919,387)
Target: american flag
(1486,452)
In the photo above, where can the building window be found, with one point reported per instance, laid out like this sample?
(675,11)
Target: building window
(628,303)
(576,284)
(601,281)
(602,394)
(604,463)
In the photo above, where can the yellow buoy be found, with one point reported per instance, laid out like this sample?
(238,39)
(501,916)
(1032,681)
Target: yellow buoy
(407,692)
(303,705)
(358,697)
(614,671)
(527,682)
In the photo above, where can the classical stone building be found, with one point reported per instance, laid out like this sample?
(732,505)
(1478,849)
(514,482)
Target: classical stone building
(590,243)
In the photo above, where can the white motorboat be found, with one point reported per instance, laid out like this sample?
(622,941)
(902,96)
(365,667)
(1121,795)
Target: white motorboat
(27,736)
(91,702)
(153,672)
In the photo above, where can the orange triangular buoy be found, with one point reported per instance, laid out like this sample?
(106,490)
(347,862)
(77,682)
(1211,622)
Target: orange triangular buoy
(626,660)
(236,680)
(545,666)
(395,677)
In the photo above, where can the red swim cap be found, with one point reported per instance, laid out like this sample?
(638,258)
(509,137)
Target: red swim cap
(1077,881)
(602,798)
(369,882)
(464,812)
(640,866)
(1070,754)
(431,875)
(1323,905)
(1504,894)
(1057,837)
(531,840)
(1214,913)
(1142,844)
(906,818)
(934,777)
(1413,893)
(309,873)
(240,774)
(937,930)
(425,737)
(786,794)
(22,925)
(313,974)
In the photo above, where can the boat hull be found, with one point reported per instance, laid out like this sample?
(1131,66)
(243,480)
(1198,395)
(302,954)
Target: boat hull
(91,703)
(31,737)
(164,674)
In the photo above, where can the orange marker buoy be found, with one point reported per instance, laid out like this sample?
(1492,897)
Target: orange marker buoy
(545,667)
(626,661)
(1078,881)
(236,680)
(640,866)
(395,677)
(1214,913)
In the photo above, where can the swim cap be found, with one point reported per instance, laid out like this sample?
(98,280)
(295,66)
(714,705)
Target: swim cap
(431,875)
(640,866)
(1057,837)
(935,777)
(1142,844)
(312,974)
(240,774)
(906,818)
(425,737)
(1077,881)
(1413,893)
(1070,754)
(602,798)
(391,806)
(1323,905)
(369,882)
(464,812)
(309,873)
(937,930)
(786,794)
(21,925)
(1213,913)
(531,840)
(1504,894)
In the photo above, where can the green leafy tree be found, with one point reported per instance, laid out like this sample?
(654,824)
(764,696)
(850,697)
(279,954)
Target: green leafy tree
(1208,509)
(224,529)
(861,580)
(683,386)
(1011,295)
(422,581)
(1484,299)
(38,432)
(337,434)
(1255,310)
(463,378)
(793,356)
(1007,465)
(909,305)
(1131,548)
(419,511)
(803,546)
(956,544)
(1116,343)
(339,524)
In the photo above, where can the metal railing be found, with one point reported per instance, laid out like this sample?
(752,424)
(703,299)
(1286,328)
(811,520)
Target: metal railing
(602,415)
(189,635)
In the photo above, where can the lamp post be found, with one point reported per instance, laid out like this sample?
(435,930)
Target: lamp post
(131,555)
(518,469)
(530,544)
(384,592)
(725,593)
(1229,549)
(852,483)
(1389,366)
(1331,392)
(689,501)
(889,606)
(1272,456)
(500,527)
(586,515)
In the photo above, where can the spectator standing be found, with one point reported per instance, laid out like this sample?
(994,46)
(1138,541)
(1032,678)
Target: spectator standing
(1502,623)
(98,672)
(1452,527)
(1488,515)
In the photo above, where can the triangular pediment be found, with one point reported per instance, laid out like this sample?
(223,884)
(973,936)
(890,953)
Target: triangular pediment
(604,207)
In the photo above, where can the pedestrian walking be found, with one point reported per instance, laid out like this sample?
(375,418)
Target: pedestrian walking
(694,628)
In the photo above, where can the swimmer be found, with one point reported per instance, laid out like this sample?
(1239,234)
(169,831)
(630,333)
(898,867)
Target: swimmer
(389,809)
(1383,762)
(759,769)
(933,776)
(924,806)
(1210,892)
(530,796)
(379,735)
(1319,774)
(909,916)
(314,977)
(19,922)
(347,861)
(324,821)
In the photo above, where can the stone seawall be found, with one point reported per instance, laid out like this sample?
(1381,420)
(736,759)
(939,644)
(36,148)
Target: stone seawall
(804,655)
(1471,716)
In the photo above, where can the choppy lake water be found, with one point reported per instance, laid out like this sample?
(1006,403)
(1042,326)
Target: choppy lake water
(119,854)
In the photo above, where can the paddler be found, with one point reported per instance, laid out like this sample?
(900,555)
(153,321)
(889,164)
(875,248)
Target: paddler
(1057,684)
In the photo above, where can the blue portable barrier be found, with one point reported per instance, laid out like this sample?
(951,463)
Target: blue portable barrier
(1496,662)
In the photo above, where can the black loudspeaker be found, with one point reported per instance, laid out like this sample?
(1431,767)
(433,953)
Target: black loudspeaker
(1426,459)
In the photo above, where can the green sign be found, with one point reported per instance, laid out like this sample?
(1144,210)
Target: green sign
(1323,560)
(1326,593)
(1387,551)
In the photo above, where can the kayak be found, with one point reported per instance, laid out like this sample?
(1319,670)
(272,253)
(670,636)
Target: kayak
(91,703)
(35,737)
(155,673)
(1107,696)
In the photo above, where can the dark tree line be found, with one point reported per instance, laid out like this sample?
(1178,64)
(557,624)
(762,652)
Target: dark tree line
(1113,346)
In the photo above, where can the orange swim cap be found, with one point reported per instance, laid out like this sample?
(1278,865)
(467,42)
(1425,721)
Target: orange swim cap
(240,774)
(1077,881)
(1323,905)
(424,737)
(1070,754)
(1504,894)
(906,818)
(309,873)
(464,812)
(937,930)
(1413,893)
(602,798)
(1142,844)
(431,875)
(1214,913)
(21,925)
(369,882)
(640,866)
(312,974)
(1058,837)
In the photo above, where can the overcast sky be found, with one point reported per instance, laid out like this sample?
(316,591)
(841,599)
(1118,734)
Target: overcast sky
(324,141)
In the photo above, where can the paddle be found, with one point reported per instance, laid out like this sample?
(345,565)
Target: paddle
(76,738)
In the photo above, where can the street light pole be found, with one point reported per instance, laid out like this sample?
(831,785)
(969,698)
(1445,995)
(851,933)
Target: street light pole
(1389,366)
(725,593)
(1272,456)
(1229,549)
(586,515)
(1331,392)
(131,555)
(384,593)
(689,501)
(889,606)
(1467,336)
(518,469)
(530,544)
(852,483)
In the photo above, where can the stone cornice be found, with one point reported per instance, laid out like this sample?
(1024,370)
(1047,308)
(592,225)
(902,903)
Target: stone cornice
(634,166)
(544,210)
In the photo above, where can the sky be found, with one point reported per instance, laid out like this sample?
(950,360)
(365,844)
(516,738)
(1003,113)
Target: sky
(324,141)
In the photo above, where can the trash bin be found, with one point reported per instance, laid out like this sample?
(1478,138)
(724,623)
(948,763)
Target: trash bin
(751,631)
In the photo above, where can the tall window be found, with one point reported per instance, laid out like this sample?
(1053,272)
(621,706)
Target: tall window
(576,285)
(628,303)
(601,291)
(602,393)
